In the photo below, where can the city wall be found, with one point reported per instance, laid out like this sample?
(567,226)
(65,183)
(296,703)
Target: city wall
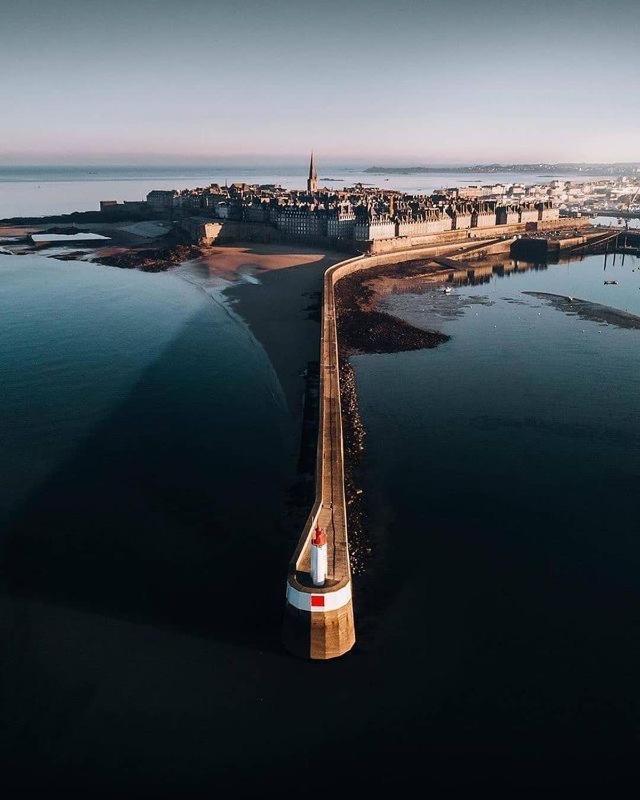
(400,244)
(221,231)
(209,232)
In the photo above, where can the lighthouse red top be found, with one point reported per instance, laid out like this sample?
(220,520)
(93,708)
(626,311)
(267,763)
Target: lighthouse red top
(319,537)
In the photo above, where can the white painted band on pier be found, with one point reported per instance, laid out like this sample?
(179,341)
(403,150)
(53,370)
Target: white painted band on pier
(319,601)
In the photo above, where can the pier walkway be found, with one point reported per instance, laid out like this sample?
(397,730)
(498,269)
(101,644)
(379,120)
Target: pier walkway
(324,627)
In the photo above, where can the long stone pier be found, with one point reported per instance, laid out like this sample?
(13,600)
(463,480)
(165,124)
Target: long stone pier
(319,619)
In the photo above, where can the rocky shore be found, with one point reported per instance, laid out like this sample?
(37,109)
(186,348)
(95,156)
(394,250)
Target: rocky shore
(127,247)
(151,259)
(156,255)
(353,434)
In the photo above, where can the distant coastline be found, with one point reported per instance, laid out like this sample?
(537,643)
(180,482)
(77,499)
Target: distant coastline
(559,169)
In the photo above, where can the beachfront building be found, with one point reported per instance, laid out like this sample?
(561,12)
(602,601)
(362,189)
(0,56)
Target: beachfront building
(547,212)
(161,200)
(341,222)
(460,214)
(302,222)
(483,215)
(528,213)
(507,215)
(370,225)
(424,222)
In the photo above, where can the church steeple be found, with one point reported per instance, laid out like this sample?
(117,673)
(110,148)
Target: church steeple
(312,181)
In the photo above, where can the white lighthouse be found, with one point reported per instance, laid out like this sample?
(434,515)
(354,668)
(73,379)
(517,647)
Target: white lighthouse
(319,557)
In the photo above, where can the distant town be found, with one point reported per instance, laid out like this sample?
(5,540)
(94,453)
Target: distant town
(359,215)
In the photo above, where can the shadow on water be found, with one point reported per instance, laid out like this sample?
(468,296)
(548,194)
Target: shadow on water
(283,312)
(166,513)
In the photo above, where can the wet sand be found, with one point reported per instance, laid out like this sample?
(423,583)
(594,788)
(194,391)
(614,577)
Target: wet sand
(363,328)
(591,312)
(280,303)
(232,260)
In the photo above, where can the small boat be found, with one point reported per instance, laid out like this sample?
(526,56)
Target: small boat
(611,283)
(447,290)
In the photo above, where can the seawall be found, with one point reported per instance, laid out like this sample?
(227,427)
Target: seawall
(209,232)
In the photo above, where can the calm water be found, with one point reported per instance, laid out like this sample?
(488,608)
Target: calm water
(501,477)
(148,454)
(37,191)
(133,369)
(617,222)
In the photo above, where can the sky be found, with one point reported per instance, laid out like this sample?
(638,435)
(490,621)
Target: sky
(360,81)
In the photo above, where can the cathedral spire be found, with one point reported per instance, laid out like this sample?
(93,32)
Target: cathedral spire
(312,181)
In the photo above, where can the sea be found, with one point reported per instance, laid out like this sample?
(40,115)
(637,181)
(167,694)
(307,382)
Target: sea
(150,451)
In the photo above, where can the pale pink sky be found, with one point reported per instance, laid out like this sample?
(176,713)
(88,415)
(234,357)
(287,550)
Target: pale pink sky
(434,82)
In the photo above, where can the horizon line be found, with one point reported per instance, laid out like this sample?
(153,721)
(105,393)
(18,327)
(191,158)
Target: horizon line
(269,161)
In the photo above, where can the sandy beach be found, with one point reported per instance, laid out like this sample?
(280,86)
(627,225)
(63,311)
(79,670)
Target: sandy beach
(231,260)
(281,307)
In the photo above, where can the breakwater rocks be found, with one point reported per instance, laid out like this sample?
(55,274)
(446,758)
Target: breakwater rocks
(364,329)
(353,435)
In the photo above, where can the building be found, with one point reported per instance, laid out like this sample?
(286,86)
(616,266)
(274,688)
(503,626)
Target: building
(302,223)
(460,214)
(547,212)
(426,222)
(370,226)
(341,222)
(161,201)
(528,213)
(507,215)
(483,215)
(469,192)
